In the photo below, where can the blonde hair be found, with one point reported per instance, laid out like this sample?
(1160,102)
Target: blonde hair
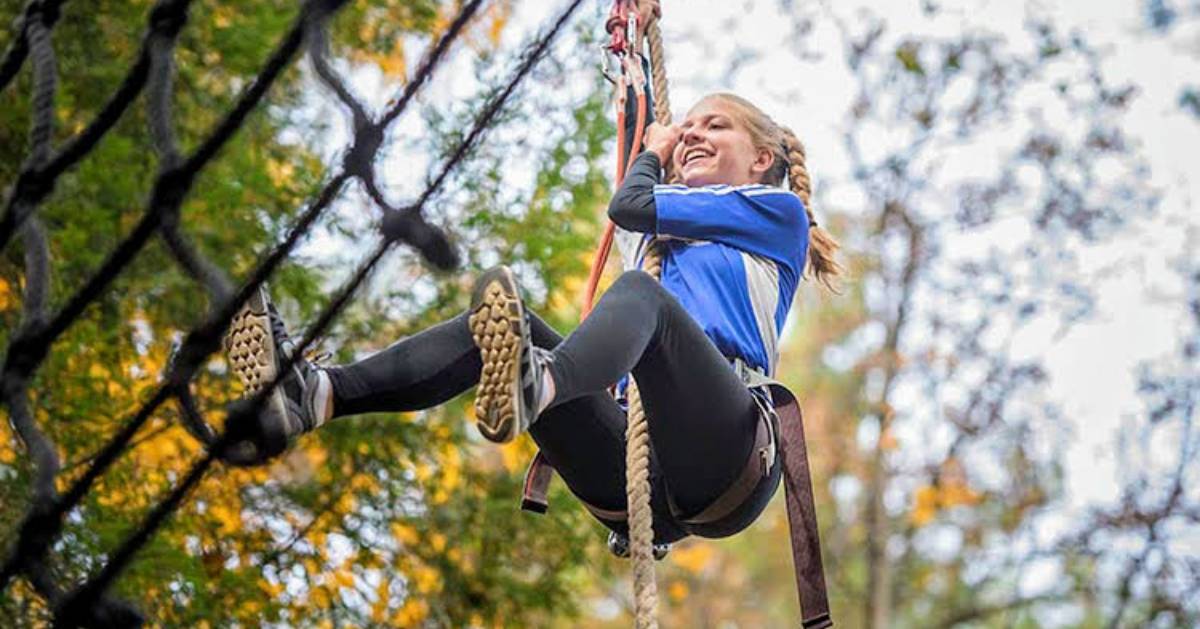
(789,163)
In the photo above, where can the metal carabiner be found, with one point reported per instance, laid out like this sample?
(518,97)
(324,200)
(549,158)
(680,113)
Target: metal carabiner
(631,66)
(633,31)
(618,545)
(617,27)
(609,59)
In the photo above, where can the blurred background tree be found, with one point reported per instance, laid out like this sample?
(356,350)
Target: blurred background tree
(985,167)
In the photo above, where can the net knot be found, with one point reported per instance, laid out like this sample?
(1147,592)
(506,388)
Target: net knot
(103,612)
(408,226)
(171,189)
(33,185)
(46,11)
(321,9)
(26,350)
(168,17)
(360,159)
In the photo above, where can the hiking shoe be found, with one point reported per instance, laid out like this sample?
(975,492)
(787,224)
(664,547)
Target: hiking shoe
(510,384)
(258,346)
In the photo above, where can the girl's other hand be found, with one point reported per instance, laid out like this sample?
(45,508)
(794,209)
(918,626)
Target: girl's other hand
(662,140)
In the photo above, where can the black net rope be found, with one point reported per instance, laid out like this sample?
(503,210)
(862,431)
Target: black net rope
(152,72)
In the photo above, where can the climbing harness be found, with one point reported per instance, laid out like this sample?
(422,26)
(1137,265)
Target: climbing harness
(780,432)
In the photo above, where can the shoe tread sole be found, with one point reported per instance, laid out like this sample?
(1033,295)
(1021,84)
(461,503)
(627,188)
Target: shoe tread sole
(497,327)
(250,346)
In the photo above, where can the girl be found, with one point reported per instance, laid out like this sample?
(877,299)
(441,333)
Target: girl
(734,245)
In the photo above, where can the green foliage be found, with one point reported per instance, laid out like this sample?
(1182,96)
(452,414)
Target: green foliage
(908,54)
(401,520)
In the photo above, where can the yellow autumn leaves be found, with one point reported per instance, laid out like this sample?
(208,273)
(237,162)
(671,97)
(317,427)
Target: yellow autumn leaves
(948,491)
(8,445)
(441,475)
(393,60)
(6,295)
(693,558)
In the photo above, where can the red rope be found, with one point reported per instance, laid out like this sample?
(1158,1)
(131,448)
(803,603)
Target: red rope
(617,25)
(601,256)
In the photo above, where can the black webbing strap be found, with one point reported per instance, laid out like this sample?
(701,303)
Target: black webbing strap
(534,495)
(802,513)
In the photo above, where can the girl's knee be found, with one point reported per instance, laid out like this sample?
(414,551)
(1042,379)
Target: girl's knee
(639,281)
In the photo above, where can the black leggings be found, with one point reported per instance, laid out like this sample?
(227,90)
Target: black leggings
(702,418)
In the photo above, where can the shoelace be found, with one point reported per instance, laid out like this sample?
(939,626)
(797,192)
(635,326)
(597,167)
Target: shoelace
(279,331)
(314,356)
(318,357)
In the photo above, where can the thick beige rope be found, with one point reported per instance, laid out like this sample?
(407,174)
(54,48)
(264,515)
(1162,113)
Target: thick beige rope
(637,434)
(658,72)
(637,489)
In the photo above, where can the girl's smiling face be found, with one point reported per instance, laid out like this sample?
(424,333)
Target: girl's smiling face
(716,148)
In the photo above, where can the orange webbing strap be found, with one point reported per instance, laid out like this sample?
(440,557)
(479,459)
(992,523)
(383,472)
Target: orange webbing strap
(624,161)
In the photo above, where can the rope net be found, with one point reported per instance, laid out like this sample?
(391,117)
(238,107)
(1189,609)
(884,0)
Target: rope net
(152,72)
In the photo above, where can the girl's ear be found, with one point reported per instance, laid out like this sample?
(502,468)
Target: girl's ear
(763,160)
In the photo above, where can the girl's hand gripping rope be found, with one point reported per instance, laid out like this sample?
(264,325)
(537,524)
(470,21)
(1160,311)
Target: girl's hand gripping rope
(662,140)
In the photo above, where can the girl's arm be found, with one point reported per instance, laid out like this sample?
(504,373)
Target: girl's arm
(632,207)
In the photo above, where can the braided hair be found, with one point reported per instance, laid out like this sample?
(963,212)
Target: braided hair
(790,164)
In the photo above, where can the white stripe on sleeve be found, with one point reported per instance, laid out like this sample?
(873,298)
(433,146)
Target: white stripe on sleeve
(762,281)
